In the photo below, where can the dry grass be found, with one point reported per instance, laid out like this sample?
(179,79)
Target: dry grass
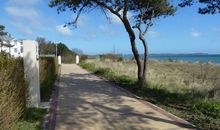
(173,76)
(12,91)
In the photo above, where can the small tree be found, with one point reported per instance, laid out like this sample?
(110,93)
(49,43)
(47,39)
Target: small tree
(144,12)
(2,35)
(211,6)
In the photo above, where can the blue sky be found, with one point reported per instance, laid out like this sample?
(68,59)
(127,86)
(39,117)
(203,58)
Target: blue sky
(186,32)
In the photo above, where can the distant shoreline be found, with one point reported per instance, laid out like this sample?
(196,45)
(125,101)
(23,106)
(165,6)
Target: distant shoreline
(189,58)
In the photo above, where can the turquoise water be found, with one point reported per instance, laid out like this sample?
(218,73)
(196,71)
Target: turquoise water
(189,58)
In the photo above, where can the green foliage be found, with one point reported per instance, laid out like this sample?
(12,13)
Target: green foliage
(211,6)
(143,10)
(31,119)
(207,107)
(110,56)
(2,30)
(68,58)
(48,73)
(13,91)
(88,66)
(49,48)
(33,114)
(2,34)
(83,58)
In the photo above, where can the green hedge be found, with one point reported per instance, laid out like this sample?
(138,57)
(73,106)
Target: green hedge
(12,91)
(68,58)
(48,72)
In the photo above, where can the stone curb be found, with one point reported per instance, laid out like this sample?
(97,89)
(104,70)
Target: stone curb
(50,121)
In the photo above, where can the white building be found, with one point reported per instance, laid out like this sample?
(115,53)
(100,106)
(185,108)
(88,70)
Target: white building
(14,48)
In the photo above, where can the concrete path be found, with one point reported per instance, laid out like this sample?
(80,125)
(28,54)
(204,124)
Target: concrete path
(87,102)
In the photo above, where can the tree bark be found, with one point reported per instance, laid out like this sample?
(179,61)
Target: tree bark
(134,50)
(144,42)
(131,34)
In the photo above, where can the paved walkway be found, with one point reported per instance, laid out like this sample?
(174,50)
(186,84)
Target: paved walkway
(86,102)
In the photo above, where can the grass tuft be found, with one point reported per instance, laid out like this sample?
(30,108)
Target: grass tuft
(31,119)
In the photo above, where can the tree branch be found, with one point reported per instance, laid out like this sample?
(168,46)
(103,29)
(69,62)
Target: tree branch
(125,9)
(105,14)
(109,8)
(78,15)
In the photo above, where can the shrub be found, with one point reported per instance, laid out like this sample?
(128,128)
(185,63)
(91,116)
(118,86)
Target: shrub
(90,67)
(68,58)
(48,72)
(12,91)
(110,56)
(31,119)
(211,108)
(83,58)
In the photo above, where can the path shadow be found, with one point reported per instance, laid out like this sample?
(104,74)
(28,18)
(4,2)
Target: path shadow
(88,103)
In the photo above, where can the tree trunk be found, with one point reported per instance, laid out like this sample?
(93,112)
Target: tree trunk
(141,37)
(131,36)
(134,50)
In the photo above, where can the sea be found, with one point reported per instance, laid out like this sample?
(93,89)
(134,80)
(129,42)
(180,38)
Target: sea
(192,58)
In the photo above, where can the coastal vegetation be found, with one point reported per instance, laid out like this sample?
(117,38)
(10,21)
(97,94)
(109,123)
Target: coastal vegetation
(189,90)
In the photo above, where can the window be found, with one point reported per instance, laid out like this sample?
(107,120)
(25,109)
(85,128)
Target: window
(21,49)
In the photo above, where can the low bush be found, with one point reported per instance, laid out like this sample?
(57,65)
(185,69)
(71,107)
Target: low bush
(90,67)
(13,91)
(48,72)
(110,56)
(83,58)
(68,58)
(207,107)
(31,119)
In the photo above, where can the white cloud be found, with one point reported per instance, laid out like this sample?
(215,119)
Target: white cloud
(23,2)
(22,13)
(65,31)
(22,28)
(107,30)
(195,33)
(24,19)
(152,34)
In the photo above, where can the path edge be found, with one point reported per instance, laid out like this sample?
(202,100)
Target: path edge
(50,119)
